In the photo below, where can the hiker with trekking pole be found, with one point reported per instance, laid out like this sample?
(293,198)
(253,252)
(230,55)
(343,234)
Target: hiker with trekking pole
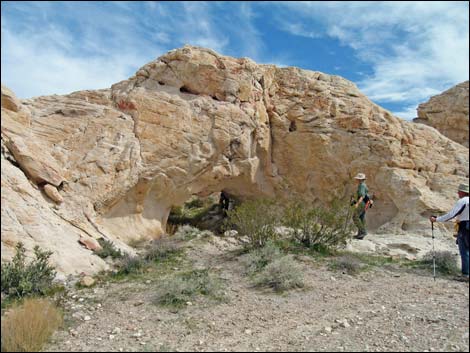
(460,211)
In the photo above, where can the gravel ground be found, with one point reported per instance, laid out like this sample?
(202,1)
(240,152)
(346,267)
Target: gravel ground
(383,309)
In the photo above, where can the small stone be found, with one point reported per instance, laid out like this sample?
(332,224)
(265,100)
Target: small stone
(81,300)
(116,331)
(328,329)
(189,303)
(148,281)
(86,318)
(248,331)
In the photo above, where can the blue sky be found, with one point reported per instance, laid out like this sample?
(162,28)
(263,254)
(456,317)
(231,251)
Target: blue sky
(399,53)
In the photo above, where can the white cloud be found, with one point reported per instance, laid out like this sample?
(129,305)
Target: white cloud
(408,113)
(415,48)
(35,67)
(81,49)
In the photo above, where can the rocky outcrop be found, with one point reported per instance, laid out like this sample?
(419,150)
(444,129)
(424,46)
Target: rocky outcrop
(448,113)
(194,122)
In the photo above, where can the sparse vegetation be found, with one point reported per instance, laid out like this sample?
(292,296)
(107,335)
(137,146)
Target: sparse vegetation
(259,258)
(19,279)
(193,211)
(131,264)
(346,263)
(108,249)
(161,249)
(25,328)
(180,288)
(187,232)
(446,262)
(281,274)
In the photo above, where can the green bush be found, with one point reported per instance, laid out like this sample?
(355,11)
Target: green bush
(281,274)
(446,262)
(259,258)
(257,220)
(318,227)
(108,249)
(19,279)
(181,288)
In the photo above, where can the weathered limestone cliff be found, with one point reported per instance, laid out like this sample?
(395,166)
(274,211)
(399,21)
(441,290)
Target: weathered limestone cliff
(112,162)
(448,113)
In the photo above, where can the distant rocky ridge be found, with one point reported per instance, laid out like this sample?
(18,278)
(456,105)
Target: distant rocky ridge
(111,163)
(448,113)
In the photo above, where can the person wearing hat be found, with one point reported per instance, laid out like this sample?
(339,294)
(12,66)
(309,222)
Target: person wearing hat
(460,211)
(360,206)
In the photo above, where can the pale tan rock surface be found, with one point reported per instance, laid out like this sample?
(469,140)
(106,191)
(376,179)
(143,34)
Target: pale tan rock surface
(448,113)
(194,122)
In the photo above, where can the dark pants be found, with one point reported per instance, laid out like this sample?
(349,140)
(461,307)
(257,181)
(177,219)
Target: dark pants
(359,219)
(463,243)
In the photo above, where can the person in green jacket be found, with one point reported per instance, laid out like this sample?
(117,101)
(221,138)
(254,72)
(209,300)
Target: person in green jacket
(361,205)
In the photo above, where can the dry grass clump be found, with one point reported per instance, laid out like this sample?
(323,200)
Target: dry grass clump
(25,328)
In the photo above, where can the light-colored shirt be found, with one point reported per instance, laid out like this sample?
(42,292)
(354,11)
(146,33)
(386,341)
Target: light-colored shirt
(460,211)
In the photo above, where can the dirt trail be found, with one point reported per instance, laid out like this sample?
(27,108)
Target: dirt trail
(384,309)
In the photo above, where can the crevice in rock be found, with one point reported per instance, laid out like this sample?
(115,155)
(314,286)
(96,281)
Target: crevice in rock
(292,127)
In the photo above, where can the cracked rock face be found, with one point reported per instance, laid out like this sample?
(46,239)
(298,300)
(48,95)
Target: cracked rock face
(448,113)
(194,122)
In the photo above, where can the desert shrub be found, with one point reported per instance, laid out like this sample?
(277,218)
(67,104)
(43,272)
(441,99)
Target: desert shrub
(187,232)
(346,263)
(255,219)
(129,264)
(161,249)
(318,227)
(19,279)
(259,258)
(281,274)
(181,288)
(108,249)
(27,327)
(446,262)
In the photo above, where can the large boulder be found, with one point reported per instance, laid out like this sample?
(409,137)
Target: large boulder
(448,113)
(194,122)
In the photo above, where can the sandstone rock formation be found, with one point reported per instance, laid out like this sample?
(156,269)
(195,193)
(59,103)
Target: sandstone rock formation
(194,122)
(448,113)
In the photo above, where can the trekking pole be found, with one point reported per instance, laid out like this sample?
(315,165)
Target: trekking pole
(433,253)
